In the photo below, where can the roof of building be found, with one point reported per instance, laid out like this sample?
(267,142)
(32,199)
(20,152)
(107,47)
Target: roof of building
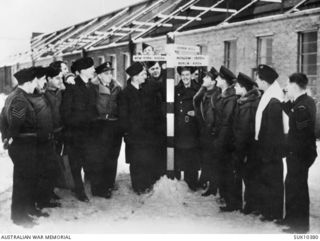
(151,18)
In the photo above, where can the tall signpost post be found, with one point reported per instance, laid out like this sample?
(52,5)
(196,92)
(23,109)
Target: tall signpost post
(170,85)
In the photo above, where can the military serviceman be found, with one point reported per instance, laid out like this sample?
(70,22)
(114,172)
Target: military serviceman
(186,130)
(79,111)
(108,136)
(223,144)
(244,164)
(139,121)
(270,126)
(301,153)
(46,157)
(18,126)
(204,104)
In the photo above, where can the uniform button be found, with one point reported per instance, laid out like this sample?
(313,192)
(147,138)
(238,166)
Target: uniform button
(181,110)
(178,94)
(180,102)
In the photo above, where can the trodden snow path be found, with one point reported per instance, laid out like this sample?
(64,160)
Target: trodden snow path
(170,208)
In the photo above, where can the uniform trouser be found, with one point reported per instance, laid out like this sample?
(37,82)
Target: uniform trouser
(250,173)
(209,166)
(80,152)
(144,165)
(271,188)
(47,171)
(230,185)
(187,160)
(23,152)
(105,160)
(297,193)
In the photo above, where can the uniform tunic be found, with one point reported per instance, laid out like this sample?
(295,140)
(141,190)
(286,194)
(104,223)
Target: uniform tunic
(108,137)
(301,153)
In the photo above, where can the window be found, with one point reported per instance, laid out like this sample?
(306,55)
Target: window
(112,58)
(101,60)
(230,54)
(126,64)
(307,62)
(264,50)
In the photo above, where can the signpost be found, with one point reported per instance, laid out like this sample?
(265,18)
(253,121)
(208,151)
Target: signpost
(176,55)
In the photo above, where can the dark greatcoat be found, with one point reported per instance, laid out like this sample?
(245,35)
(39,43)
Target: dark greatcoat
(204,104)
(244,163)
(269,154)
(186,143)
(143,133)
(301,153)
(223,142)
(79,112)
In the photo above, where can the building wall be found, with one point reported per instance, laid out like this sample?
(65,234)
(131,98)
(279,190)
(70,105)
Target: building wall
(285,44)
(118,54)
(5,79)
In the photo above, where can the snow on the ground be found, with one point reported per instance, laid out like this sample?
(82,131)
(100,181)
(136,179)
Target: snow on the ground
(170,208)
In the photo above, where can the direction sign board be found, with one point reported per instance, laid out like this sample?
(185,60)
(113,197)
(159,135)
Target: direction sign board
(191,60)
(145,58)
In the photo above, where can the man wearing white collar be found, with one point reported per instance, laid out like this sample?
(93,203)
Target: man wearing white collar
(270,126)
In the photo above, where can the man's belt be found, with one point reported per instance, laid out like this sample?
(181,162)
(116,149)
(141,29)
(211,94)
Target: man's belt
(27,135)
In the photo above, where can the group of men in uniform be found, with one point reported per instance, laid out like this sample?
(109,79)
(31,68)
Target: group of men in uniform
(52,113)
(232,128)
(239,130)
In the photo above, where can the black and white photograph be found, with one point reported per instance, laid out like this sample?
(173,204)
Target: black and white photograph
(159,117)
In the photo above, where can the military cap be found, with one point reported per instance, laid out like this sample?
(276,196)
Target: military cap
(103,67)
(150,64)
(213,73)
(227,74)
(83,63)
(134,69)
(246,81)
(39,71)
(267,73)
(52,72)
(185,68)
(24,75)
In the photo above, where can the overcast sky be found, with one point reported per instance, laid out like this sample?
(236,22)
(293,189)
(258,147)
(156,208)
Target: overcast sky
(19,18)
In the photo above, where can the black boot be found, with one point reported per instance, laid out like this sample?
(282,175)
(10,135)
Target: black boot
(81,196)
(38,213)
(212,190)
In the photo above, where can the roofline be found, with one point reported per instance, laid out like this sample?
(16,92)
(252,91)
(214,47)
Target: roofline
(88,20)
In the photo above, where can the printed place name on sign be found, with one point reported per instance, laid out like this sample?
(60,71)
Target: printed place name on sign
(186,49)
(191,60)
(145,58)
